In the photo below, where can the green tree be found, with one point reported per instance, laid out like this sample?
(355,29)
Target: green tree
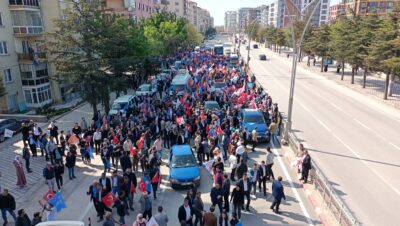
(193,37)
(384,52)
(340,45)
(319,43)
(73,46)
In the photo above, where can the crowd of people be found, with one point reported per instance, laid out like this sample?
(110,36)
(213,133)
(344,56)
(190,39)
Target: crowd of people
(153,123)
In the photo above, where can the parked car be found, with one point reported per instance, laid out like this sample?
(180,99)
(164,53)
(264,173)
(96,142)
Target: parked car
(255,46)
(253,118)
(145,89)
(262,57)
(11,124)
(183,167)
(211,105)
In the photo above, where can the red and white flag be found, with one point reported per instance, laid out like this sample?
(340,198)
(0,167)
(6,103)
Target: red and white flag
(48,195)
(109,199)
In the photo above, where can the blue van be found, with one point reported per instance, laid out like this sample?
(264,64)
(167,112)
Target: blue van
(121,104)
(183,167)
(253,118)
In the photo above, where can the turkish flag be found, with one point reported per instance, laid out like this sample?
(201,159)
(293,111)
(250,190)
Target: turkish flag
(155,178)
(219,130)
(109,199)
(48,195)
(142,186)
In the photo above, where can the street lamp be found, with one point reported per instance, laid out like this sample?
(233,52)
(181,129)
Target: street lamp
(248,35)
(296,54)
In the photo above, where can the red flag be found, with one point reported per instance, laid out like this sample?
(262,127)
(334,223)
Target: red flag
(219,130)
(109,199)
(155,179)
(142,186)
(115,139)
(73,140)
(48,195)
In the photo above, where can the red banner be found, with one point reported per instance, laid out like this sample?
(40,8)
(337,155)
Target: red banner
(48,195)
(109,199)
(73,140)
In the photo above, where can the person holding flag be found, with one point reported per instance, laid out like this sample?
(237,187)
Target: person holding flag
(155,179)
(146,205)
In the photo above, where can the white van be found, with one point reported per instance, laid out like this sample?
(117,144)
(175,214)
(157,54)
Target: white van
(121,104)
(61,223)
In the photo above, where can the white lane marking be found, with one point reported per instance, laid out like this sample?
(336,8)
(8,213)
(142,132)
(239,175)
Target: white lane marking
(395,146)
(371,130)
(296,194)
(340,109)
(314,116)
(88,207)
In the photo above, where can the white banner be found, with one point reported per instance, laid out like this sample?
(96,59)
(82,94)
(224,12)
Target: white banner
(8,133)
(152,222)
(209,166)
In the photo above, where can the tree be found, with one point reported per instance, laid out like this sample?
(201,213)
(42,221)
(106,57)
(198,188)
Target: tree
(73,46)
(319,43)
(193,37)
(340,45)
(384,52)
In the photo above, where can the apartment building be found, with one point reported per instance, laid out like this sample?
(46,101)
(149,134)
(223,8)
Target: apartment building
(230,21)
(247,16)
(179,7)
(362,8)
(132,9)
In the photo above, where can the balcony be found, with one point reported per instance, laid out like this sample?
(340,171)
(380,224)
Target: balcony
(24,31)
(31,57)
(24,4)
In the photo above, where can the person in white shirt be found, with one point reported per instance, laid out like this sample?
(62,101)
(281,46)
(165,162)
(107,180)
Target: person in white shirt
(97,140)
(240,150)
(269,162)
(233,165)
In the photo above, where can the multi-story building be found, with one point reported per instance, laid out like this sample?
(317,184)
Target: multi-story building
(133,9)
(247,16)
(320,16)
(204,20)
(192,13)
(230,21)
(362,8)
(179,7)
(273,14)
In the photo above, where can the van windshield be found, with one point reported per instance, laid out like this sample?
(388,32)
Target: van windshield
(118,105)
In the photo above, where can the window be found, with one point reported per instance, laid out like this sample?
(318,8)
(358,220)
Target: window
(12,101)
(7,75)
(28,96)
(176,3)
(1,20)
(323,11)
(3,48)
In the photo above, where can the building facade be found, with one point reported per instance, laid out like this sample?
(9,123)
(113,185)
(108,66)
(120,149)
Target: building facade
(132,9)
(230,21)
(362,8)
(247,16)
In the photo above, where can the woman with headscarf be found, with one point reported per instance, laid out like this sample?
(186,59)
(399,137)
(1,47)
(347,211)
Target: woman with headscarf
(140,220)
(20,171)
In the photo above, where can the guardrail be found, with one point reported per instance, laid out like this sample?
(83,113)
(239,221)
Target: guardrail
(321,183)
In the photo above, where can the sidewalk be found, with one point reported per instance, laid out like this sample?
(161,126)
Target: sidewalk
(374,86)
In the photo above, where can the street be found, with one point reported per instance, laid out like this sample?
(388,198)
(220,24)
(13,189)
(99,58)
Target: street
(353,138)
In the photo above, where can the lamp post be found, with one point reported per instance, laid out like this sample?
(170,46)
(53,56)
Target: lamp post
(296,54)
(248,35)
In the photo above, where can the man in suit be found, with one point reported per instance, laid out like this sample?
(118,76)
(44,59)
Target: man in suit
(180,139)
(185,213)
(262,172)
(245,186)
(278,193)
(105,182)
(99,205)
(306,166)
(226,187)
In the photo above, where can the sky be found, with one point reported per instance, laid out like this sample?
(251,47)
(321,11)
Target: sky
(217,8)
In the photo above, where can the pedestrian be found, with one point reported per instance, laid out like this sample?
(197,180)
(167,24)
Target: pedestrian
(125,162)
(198,209)
(185,212)
(262,170)
(109,221)
(278,193)
(270,162)
(70,164)
(37,218)
(59,174)
(32,144)
(217,195)
(241,169)
(254,138)
(254,177)
(140,220)
(22,219)
(21,179)
(234,220)
(239,150)
(223,219)
(54,131)
(7,204)
(306,166)
(237,199)
(209,218)
(146,205)
(49,176)
(226,187)
(245,186)
(161,218)
(121,207)
(105,182)
(233,164)
(26,155)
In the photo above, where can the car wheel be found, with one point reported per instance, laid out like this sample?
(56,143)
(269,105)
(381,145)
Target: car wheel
(2,138)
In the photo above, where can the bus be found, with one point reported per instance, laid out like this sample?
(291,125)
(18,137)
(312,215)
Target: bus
(228,48)
(219,50)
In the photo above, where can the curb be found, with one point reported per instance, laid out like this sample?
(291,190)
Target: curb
(65,113)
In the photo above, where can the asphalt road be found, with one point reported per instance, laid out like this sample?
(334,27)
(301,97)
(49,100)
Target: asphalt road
(353,138)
